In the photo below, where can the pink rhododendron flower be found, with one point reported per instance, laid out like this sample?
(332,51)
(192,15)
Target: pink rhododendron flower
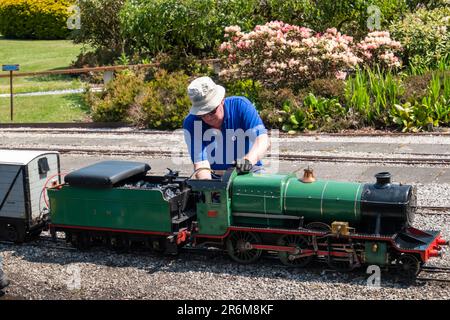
(280,54)
(340,75)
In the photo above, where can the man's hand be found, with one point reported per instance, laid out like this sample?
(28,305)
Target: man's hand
(243,166)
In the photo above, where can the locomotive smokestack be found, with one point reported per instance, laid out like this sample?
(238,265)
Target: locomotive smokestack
(383,179)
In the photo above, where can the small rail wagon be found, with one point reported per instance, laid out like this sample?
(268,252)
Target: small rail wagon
(23,176)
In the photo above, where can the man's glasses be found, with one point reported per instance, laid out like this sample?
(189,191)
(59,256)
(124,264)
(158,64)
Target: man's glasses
(210,114)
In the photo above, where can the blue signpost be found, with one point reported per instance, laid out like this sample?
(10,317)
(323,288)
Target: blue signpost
(11,68)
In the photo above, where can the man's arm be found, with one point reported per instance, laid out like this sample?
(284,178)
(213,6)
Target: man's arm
(202,174)
(259,149)
(197,156)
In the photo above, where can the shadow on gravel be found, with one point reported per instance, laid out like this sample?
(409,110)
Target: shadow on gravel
(216,262)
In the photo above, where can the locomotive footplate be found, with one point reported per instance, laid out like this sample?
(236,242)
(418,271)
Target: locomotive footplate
(427,243)
(182,220)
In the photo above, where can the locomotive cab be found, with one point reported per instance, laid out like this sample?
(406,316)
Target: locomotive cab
(213,203)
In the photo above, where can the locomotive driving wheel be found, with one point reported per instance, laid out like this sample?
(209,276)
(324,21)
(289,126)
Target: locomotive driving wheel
(239,247)
(294,259)
(408,266)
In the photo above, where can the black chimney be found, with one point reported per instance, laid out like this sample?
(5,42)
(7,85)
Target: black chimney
(383,179)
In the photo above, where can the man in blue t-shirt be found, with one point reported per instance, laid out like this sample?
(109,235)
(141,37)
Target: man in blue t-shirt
(221,131)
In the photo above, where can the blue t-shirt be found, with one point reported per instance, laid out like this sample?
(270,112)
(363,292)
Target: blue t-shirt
(241,125)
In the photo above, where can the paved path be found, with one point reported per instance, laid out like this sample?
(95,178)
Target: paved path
(44,93)
(401,145)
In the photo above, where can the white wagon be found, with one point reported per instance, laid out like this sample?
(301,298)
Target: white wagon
(23,175)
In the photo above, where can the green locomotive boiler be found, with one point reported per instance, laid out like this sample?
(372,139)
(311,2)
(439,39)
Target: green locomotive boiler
(343,224)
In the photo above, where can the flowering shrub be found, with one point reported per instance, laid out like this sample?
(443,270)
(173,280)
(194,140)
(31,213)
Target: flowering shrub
(282,55)
(34,19)
(378,48)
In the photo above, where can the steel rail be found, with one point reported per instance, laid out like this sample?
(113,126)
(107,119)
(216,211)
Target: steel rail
(286,157)
(76,128)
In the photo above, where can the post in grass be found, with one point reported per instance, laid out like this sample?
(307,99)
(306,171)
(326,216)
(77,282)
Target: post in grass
(11,68)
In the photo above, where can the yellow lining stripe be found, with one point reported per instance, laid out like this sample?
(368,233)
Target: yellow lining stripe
(321,198)
(356,197)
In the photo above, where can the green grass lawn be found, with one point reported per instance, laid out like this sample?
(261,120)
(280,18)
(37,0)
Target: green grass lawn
(54,108)
(39,55)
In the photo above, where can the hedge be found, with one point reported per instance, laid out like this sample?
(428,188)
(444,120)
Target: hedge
(34,19)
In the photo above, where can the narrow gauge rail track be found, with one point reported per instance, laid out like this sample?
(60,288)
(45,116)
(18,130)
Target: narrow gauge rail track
(285,157)
(430,210)
(444,210)
(426,274)
(27,128)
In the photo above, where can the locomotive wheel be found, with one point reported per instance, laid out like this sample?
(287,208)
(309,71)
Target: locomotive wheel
(289,259)
(239,249)
(408,266)
(318,226)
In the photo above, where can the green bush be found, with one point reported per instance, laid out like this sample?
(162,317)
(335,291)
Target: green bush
(182,26)
(348,16)
(429,112)
(272,106)
(99,57)
(100,27)
(371,98)
(189,64)
(328,88)
(371,94)
(416,86)
(315,113)
(425,36)
(247,88)
(114,103)
(196,27)
(163,103)
(34,19)
(285,110)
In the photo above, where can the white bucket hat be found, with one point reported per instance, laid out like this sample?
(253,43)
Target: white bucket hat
(205,95)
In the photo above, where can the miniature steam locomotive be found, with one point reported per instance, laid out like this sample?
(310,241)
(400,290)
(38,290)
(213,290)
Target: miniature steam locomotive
(345,225)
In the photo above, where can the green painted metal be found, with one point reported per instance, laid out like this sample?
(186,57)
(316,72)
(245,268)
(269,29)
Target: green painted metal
(213,214)
(116,208)
(259,193)
(324,201)
(375,253)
